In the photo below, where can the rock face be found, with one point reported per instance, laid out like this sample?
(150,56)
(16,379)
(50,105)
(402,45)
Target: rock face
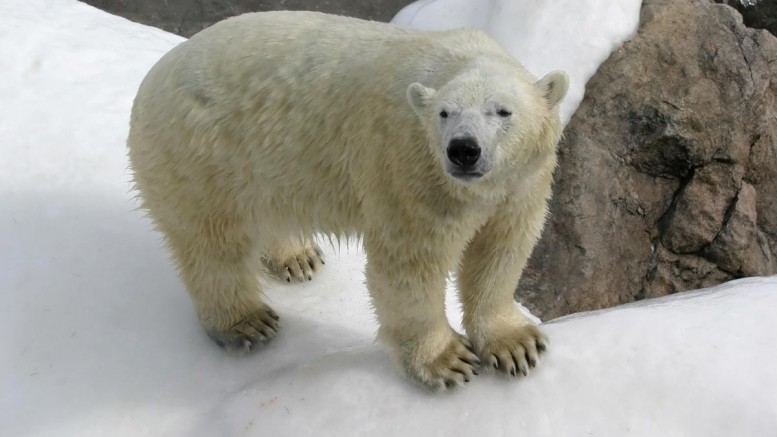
(668,170)
(187,17)
(761,15)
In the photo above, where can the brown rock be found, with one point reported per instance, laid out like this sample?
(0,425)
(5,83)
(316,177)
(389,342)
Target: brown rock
(759,259)
(762,172)
(667,176)
(761,15)
(672,273)
(737,234)
(700,207)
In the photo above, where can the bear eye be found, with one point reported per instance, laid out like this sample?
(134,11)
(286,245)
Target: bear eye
(444,114)
(504,113)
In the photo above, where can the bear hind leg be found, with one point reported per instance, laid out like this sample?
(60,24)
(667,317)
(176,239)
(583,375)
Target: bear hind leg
(293,259)
(218,265)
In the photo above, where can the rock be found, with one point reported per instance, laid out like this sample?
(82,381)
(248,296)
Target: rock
(689,228)
(667,176)
(737,235)
(672,272)
(761,15)
(187,17)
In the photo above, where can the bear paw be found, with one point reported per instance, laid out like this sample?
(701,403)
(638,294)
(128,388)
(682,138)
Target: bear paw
(455,366)
(257,328)
(515,351)
(297,266)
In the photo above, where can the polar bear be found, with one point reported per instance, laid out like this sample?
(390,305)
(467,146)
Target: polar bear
(436,148)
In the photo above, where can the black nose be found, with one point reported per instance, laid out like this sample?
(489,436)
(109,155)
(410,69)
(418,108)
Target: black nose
(463,152)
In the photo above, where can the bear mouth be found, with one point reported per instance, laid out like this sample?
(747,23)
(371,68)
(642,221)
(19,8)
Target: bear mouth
(467,175)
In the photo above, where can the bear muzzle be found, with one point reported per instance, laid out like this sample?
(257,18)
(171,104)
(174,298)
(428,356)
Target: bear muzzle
(464,154)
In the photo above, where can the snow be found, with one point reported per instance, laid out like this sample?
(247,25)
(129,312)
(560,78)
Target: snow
(575,36)
(98,336)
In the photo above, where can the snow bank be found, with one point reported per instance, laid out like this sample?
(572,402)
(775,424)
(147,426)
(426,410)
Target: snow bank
(97,336)
(571,35)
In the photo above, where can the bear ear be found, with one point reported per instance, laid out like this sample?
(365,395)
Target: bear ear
(553,86)
(419,96)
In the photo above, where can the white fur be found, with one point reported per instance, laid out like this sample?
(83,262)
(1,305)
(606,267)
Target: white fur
(267,128)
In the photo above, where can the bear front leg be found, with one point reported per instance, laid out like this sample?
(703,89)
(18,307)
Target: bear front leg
(407,287)
(503,336)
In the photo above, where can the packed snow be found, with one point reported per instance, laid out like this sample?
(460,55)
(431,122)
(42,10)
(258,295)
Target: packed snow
(98,337)
(575,36)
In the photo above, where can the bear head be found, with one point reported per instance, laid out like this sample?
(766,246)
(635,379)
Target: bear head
(490,120)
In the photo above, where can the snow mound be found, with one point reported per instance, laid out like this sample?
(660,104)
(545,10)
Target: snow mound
(98,336)
(693,364)
(571,35)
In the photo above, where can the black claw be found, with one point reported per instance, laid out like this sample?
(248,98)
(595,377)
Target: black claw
(466,380)
(512,371)
(541,347)
(220,343)
(532,363)
(497,364)
(464,360)
(256,325)
(274,316)
(448,383)
(474,372)
(288,279)
(460,371)
(310,278)
(515,362)
(263,328)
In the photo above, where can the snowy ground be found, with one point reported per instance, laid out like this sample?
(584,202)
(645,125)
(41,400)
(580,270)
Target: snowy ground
(97,336)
